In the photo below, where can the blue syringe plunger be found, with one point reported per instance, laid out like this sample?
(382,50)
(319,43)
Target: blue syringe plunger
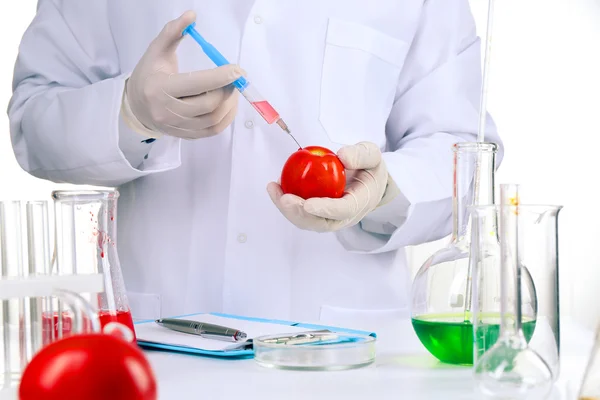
(241,83)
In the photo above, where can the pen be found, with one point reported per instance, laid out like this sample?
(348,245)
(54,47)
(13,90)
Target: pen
(208,331)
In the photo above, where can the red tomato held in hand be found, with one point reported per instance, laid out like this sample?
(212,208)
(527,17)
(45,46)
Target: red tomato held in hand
(314,172)
(90,367)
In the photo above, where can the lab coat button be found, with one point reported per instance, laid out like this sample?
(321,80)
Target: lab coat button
(249,124)
(258,19)
(241,238)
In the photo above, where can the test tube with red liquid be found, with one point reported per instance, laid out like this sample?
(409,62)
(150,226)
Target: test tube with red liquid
(264,108)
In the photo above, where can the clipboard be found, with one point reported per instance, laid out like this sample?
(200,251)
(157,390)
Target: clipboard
(145,343)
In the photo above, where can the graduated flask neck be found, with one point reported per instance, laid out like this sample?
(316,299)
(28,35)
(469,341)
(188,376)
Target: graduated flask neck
(474,170)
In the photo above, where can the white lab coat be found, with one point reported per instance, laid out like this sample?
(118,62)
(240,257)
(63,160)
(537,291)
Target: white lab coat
(197,230)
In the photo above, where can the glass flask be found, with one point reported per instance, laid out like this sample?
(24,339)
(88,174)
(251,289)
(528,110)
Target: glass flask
(441,291)
(85,243)
(590,388)
(521,361)
(486,280)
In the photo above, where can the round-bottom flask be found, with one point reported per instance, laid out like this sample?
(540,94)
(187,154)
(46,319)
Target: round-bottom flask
(441,291)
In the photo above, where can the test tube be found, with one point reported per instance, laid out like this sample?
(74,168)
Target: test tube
(38,261)
(11,266)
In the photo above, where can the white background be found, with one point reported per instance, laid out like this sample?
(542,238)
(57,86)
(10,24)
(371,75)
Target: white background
(544,96)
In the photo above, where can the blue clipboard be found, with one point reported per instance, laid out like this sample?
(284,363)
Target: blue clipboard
(242,353)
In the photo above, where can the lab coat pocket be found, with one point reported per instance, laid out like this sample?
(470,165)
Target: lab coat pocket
(144,306)
(368,320)
(361,66)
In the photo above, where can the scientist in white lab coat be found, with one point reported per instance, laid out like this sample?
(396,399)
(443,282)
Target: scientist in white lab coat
(109,93)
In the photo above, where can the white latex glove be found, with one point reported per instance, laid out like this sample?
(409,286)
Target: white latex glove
(160,100)
(365,191)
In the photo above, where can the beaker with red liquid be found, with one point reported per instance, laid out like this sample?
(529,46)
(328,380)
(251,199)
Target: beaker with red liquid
(85,243)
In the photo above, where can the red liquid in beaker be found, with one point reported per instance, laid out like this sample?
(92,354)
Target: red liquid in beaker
(123,317)
(266,110)
(50,326)
(50,323)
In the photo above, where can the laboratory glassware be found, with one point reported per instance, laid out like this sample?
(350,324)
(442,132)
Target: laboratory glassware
(86,236)
(486,72)
(11,264)
(590,388)
(315,351)
(539,279)
(26,293)
(243,85)
(513,367)
(441,290)
(486,287)
(22,336)
(35,233)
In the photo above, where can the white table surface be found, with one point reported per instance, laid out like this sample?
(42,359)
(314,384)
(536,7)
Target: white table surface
(403,370)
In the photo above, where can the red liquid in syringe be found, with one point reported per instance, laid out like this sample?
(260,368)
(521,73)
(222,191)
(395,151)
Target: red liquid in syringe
(266,110)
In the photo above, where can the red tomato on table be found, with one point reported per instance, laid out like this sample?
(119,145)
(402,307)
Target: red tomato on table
(314,171)
(90,367)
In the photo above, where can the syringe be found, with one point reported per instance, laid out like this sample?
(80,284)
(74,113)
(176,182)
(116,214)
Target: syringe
(247,89)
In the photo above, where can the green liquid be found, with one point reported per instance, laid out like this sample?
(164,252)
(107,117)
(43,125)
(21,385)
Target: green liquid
(449,338)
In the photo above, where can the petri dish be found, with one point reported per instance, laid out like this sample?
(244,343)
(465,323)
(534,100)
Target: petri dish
(347,351)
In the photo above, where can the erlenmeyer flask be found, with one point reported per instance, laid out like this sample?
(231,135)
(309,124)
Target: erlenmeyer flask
(441,290)
(86,229)
(590,388)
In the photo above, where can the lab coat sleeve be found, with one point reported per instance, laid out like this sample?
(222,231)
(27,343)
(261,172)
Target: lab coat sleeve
(65,112)
(436,106)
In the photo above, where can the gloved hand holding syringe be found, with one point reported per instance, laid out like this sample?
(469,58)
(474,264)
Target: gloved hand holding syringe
(247,89)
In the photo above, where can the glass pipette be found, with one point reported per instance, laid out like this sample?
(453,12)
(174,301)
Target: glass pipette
(481,130)
(244,86)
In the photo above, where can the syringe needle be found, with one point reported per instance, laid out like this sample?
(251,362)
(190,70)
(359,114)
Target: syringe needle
(284,126)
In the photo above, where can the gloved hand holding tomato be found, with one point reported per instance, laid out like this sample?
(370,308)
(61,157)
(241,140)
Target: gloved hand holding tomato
(314,193)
